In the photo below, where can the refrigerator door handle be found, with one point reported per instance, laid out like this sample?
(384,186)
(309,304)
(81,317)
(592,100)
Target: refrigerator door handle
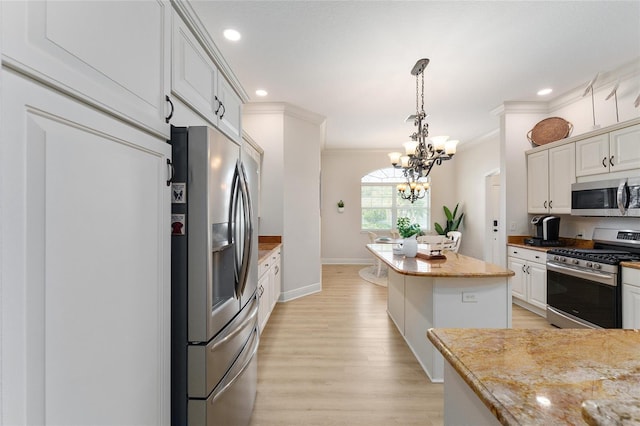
(247,231)
(241,227)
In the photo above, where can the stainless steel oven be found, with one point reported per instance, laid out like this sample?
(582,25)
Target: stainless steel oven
(583,285)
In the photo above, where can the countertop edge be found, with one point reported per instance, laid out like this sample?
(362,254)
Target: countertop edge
(632,265)
(505,273)
(497,409)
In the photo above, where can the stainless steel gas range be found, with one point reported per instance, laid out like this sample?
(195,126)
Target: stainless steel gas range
(584,285)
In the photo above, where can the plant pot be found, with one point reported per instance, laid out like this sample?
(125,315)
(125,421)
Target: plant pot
(340,209)
(410,246)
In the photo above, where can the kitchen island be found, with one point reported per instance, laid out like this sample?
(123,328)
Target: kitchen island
(540,377)
(458,291)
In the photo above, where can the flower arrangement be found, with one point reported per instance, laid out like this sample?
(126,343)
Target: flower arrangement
(405,228)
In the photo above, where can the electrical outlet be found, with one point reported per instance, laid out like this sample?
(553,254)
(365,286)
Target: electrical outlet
(468,297)
(513,226)
(582,234)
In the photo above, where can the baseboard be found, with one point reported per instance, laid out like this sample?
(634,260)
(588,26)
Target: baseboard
(348,261)
(300,292)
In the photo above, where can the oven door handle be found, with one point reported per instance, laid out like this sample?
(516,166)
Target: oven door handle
(607,279)
(623,196)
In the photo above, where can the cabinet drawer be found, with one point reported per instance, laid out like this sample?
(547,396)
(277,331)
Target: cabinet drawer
(631,276)
(527,254)
(264,266)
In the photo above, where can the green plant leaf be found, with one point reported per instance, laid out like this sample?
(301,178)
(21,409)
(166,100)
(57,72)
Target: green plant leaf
(438,228)
(447,213)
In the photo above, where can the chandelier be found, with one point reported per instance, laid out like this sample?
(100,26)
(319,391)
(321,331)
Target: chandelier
(420,155)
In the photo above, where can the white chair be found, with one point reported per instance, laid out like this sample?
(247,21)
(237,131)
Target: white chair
(431,239)
(455,236)
(372,239)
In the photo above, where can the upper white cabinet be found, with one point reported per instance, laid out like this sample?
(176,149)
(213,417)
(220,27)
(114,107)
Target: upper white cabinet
(609,152)
(550,174)
(196,80)
(85,264)
(112,55)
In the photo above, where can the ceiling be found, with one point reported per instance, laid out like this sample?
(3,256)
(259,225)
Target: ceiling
(350,61)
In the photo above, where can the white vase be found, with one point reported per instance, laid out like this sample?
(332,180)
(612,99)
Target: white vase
(410,246)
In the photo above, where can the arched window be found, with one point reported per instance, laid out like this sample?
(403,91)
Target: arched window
(381,205)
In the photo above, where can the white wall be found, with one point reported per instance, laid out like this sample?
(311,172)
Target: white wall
(290,188)
(472,164)
(342,239)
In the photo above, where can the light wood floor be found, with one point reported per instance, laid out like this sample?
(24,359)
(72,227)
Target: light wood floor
(335,358)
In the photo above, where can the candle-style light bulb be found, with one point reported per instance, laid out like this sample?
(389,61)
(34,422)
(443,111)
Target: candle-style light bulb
(394,157)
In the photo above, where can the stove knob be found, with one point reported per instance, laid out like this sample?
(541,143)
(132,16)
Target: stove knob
(556,258)
(563,259)
(589,264)
(575,262)
(597,266)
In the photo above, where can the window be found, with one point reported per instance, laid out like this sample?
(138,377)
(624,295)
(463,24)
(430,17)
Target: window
(381,205)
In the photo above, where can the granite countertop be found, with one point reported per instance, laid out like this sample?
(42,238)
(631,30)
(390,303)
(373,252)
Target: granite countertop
(455,265)
(265,249)
(634,265)
(545,377)
(518,241)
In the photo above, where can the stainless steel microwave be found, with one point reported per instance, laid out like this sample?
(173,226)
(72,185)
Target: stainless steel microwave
(614,197)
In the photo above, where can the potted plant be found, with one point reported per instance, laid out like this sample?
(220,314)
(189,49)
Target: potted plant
(453,222)
(405,228)
(340,206)
(409,231)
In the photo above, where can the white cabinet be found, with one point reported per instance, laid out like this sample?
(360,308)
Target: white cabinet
(196,80)
(275,277)
(269,282)
(529,284)
(550,174)
(86,279)
(112,55)
(609,152)
(630,298)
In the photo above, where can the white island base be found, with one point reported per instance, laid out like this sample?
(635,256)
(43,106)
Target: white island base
(418,303)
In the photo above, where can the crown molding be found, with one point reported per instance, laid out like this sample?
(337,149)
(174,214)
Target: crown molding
(190,17)
(283,108)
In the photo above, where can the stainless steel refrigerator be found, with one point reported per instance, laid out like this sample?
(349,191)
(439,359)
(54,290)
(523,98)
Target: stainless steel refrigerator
(214,249)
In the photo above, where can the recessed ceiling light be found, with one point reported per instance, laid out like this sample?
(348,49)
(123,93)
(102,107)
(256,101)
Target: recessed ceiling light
(261,92)
(543,92)
(231,34)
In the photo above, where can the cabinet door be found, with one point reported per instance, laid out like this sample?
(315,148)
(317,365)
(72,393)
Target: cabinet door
(624,149)
(264,306)
(230,114)
(592,156)
(85,262)
(113,55)
(276,278)
(518,281)
(630,306)
(562,173)
(538,182)
(194,77)
(537,285)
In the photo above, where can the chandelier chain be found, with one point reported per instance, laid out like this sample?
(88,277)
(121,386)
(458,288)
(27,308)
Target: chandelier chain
(421,155)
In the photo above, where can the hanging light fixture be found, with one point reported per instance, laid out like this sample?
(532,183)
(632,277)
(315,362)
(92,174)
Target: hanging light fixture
(420,155)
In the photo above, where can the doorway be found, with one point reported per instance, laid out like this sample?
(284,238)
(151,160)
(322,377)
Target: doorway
(493,226)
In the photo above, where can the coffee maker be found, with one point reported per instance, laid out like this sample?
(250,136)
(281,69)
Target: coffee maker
(547,230)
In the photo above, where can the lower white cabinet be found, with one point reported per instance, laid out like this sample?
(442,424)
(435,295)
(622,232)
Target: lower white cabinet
(529,284)
(630,298)
(269,284)
(85,263)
